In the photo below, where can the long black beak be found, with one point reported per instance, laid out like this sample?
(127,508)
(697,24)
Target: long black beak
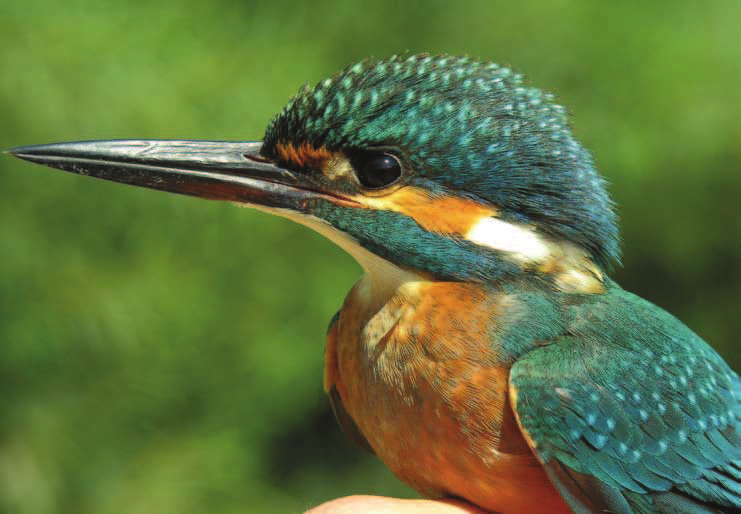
(217,170)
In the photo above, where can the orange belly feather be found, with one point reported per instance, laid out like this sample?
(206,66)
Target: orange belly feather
(422,378)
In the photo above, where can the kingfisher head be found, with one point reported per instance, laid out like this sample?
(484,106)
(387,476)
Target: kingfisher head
(443,167)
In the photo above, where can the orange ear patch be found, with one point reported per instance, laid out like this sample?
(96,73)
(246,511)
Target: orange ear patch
(445,214)
(303,155)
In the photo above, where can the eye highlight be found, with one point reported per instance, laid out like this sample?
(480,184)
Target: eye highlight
(378,171)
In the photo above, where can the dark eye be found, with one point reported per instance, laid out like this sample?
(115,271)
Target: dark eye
(379,171)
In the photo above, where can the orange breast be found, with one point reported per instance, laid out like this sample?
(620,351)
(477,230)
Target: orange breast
(424,381)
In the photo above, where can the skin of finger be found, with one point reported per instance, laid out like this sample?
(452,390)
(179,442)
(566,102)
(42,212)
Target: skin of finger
(380,505)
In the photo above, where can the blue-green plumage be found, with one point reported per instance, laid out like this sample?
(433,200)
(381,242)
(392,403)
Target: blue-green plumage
(629,404)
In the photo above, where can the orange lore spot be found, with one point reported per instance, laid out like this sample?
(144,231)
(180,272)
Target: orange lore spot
(303,155)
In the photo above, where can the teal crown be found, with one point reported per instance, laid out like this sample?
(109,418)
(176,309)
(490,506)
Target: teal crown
(464,125)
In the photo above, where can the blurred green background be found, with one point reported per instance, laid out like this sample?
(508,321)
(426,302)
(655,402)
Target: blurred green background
(164,354)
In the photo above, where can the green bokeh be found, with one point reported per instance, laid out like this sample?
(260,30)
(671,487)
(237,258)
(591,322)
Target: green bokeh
(164,354)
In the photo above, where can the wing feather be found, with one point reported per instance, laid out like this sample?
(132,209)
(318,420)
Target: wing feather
(635,401)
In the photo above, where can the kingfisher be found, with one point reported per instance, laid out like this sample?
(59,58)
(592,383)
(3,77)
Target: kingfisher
(485,354)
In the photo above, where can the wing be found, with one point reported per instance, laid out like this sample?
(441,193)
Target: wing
(632,412)
(347,424)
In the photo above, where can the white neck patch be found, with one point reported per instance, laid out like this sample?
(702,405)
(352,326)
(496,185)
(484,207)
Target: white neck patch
(506,237)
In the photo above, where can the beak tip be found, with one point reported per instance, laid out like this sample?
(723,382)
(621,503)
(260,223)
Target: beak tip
(23,152)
